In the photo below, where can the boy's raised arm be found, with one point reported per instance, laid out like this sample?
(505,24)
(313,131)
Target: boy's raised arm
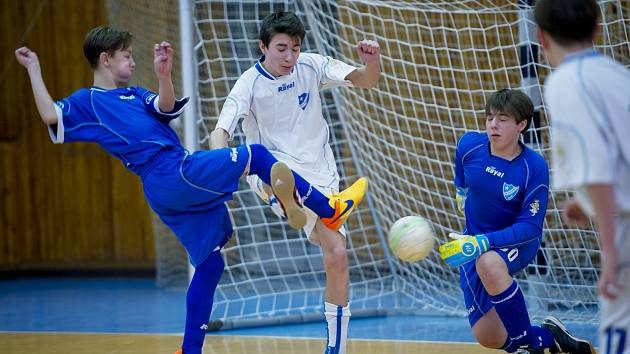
(368,75)
(43,101)
(163,62)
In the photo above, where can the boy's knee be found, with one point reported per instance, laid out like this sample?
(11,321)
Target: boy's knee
(336,258)
(490,265)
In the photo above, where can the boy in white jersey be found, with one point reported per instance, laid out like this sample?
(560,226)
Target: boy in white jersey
(588,102)
(278,99)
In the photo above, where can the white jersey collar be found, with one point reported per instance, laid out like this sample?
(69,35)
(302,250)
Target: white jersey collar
(585,53)
(261,69)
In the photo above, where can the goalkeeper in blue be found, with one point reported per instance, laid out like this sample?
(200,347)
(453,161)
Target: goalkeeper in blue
(502,187)
(187,190)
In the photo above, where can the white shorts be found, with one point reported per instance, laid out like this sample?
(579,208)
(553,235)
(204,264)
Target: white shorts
(311,218)
(615,315)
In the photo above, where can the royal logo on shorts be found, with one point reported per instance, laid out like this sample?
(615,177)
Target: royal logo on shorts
(471,309)
(234,154)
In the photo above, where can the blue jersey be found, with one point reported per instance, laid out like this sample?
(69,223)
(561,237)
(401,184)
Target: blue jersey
(126,122)
(187,191)
(505,200)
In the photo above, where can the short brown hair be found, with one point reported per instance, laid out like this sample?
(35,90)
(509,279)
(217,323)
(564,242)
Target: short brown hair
(281,22)
(104,39)
(567,21)
(514,102)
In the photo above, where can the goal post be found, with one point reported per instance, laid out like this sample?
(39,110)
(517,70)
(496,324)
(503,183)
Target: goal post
(440,60)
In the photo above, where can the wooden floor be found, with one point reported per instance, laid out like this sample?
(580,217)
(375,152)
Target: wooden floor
(49,343)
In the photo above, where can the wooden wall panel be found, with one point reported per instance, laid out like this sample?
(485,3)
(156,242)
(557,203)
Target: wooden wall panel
(61,206)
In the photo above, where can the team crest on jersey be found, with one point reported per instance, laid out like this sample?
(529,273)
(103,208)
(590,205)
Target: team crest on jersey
(509,191)
(234,155)
(303,100)
(534,207)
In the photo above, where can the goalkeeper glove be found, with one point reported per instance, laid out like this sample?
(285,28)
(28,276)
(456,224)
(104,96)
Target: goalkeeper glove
(464,249)
(460,197)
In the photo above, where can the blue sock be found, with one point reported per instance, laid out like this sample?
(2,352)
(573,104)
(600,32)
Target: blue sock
(542,338)
(510,306)
(199,300)
(260,164)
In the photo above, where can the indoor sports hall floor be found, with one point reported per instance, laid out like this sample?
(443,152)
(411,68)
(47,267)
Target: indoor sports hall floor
(132,316)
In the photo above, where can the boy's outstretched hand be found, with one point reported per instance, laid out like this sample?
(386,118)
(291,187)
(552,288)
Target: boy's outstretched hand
(27,58)
(163,59)
(369,51)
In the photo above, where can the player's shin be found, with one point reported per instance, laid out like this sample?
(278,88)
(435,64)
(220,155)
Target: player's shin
(337,319)
(510,306)
(199,301)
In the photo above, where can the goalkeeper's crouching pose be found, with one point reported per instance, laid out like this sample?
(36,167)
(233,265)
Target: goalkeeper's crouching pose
(502,188)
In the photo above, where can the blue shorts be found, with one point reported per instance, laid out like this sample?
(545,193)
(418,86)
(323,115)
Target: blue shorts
(189,191)
(476,297)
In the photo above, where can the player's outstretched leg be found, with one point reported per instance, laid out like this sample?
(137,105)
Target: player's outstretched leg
(565,342)
(344,202)
(283,186)
(333,211)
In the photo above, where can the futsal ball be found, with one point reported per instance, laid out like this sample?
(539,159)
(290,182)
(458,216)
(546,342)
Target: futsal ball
(411,238)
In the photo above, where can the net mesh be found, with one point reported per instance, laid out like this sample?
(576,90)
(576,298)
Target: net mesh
(440,60)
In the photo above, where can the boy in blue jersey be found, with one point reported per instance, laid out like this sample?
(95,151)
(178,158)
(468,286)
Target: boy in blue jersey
(502,188)
(188,191)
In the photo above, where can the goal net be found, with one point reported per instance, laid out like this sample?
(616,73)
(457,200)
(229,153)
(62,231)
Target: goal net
(440,60)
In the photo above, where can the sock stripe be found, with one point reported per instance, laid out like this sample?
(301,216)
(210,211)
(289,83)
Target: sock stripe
(339,329)
(512,294)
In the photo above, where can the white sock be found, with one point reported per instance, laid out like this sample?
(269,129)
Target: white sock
(337,318)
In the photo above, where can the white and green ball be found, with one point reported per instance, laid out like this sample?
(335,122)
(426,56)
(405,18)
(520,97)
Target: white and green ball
(411,238)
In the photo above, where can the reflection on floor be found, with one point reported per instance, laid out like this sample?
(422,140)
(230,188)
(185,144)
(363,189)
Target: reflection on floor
(132,316)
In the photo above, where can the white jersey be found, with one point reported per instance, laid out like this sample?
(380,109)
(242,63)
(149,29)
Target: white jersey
(285,113)
(588,102)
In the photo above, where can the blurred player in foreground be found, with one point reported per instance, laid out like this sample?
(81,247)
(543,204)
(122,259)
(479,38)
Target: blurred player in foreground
(588,104)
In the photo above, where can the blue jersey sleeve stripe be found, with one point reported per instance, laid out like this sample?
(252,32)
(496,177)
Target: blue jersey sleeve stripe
(536,189)
(515,242)
(526,174)
(470,151)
